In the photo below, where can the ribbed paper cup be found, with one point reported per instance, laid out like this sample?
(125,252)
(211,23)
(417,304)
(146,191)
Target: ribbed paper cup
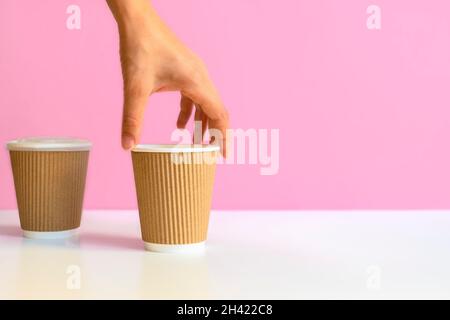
(174,187)
(49,178)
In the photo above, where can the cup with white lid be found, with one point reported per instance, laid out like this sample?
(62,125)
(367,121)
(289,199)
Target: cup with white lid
(174,185)
(49,179)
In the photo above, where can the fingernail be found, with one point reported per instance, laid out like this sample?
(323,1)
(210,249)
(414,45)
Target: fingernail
(127,142)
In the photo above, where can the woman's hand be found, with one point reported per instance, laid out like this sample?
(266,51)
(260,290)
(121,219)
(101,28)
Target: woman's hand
(154,60)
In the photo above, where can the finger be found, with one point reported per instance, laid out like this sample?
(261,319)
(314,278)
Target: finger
(186,106)
(219,138)
(203,118)
(211,105)
(135,101)
(204,124)
(198,125)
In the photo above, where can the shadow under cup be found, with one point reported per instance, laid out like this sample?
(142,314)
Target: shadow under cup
(49,178)
(174,185)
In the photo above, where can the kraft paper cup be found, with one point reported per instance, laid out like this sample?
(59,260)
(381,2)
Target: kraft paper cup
(49,178)
(174,185)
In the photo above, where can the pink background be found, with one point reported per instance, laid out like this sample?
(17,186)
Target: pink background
(364,116)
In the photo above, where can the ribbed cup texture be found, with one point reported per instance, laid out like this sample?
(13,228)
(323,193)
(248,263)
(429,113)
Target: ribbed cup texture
(49,188)
(174,199)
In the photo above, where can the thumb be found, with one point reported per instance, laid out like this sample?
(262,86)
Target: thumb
(135,101)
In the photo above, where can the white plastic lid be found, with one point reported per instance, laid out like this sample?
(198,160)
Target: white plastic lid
(175,148)
(49,144)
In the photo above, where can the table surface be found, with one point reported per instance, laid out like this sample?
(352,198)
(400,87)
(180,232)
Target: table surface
(250,255)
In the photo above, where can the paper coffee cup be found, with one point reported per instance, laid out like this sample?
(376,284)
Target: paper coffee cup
(49,178)
(174,185)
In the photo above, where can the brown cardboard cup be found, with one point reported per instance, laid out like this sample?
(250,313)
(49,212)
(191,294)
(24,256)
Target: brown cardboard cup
(174,185)
(49,178)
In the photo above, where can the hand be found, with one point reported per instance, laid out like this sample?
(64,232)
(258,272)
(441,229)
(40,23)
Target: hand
(154,60)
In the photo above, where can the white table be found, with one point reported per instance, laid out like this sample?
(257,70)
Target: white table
(250,255)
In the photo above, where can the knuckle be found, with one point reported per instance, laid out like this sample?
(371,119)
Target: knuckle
(134,90)
(130,123)
(223,115)
(226,114)
(200,65)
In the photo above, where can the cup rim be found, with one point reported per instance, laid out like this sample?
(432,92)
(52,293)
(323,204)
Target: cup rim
(49,144)
(175,148)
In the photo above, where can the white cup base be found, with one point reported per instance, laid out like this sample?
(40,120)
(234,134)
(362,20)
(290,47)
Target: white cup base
(49,235)
(191,248)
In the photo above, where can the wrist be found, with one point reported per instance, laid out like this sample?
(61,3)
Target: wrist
(130,13)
